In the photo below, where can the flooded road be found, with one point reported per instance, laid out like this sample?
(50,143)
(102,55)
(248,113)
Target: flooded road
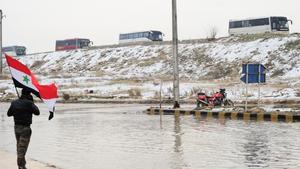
(91,136)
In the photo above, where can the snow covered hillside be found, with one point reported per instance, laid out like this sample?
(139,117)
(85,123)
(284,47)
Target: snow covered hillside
(135,71)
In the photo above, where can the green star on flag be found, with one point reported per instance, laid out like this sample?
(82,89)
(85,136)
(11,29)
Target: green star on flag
(25,79)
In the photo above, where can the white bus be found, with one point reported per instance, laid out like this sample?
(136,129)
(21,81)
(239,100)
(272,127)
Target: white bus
(141,36)
(14,50)
(278,24)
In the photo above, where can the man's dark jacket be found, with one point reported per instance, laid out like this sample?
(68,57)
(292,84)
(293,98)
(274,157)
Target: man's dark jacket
(22,110)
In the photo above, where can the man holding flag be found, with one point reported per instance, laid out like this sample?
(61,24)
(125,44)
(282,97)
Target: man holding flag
(23,108)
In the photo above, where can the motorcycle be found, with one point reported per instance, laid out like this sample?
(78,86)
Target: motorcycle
(217,99)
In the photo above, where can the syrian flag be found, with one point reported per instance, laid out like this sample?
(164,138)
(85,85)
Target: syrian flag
(23,78)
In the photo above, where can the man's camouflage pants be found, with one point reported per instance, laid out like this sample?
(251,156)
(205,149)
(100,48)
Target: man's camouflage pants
(23,134)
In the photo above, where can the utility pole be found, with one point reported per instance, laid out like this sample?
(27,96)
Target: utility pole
(247,78)
(1,16)
(175,55)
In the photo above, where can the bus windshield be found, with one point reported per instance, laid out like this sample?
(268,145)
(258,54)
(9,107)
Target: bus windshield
(156,36)
(84,43)
(21,51)
(279,23)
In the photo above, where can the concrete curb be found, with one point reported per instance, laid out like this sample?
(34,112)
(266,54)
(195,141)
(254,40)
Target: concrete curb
(9,161)
(234,115)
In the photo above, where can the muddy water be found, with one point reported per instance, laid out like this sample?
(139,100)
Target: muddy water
(84,136)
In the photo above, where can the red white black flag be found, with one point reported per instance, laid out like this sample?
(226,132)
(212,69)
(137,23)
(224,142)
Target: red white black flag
(23,78)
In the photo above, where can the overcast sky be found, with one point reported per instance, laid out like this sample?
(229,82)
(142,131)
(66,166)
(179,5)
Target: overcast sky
(36,24)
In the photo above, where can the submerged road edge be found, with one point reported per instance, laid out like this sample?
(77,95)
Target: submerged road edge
(233,115)
(9,161)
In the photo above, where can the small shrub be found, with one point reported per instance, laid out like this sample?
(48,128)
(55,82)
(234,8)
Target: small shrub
(255,52)
(135,93)
(201,57)
(37,64)
(277,72)
(195,90)
(293,45)
(2,90)
(170,90)
(99,73)
(298,93)
(156,95)
(212,34)
(147,62)
(4,77)
(66,96)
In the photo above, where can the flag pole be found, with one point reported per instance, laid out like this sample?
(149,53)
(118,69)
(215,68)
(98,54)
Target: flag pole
(12,78)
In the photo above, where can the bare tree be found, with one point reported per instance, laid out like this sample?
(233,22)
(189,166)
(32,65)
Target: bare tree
(213,33)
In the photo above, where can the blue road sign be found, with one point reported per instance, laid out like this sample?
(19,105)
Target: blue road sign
(256,73)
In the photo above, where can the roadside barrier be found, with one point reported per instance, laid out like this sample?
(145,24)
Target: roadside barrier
(246,116)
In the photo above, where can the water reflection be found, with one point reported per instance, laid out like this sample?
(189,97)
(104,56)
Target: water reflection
(2,117)
(256,148)
(178,149)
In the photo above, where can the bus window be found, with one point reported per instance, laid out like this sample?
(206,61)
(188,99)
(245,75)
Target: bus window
(259,22)
(246,23)
(236,24)
(136,35)
(8,49)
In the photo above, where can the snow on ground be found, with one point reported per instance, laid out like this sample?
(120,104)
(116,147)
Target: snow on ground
(207,66)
